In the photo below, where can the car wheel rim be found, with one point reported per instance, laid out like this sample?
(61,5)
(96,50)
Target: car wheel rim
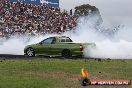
(30,52)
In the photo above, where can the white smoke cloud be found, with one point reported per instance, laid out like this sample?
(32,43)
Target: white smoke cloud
(12,46)
(116,46)
(109,49)
(86,30)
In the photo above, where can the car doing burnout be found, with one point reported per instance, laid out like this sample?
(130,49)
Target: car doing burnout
(57,45)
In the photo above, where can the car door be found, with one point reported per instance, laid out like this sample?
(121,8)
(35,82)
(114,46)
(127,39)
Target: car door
(46,46)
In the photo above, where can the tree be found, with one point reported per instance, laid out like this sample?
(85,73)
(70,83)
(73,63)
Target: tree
(86,9)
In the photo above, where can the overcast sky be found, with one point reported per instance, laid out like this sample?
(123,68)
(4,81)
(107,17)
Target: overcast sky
(114,11)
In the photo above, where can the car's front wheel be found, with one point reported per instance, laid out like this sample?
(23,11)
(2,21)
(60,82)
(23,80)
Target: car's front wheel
(30,52)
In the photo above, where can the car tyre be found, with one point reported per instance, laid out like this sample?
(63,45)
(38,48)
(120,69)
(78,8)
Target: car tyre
(30,52)
(66,53)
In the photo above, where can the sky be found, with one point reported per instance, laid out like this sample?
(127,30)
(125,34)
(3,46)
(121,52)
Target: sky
(113,12)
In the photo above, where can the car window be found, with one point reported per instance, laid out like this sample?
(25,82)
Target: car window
(48,41)
(62,40)
(66,39)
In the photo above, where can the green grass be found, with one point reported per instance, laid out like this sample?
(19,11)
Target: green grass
(51,73)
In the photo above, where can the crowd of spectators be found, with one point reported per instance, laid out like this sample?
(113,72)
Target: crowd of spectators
(27,19)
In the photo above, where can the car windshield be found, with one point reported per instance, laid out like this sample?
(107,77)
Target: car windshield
(48,41)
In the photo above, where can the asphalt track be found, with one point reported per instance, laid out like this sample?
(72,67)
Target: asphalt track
(10,56)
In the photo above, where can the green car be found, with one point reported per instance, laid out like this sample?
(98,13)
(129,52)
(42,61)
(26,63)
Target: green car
(57,45)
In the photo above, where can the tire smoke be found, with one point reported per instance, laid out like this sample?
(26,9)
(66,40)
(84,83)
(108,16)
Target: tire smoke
(114,43)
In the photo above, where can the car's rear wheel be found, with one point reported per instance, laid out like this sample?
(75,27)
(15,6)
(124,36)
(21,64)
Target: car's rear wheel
(30,52)
(66,53)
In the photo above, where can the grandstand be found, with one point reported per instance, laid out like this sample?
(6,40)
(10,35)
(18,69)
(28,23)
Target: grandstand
(19,18)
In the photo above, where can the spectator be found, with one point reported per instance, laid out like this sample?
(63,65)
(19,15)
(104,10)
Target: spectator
(28,19)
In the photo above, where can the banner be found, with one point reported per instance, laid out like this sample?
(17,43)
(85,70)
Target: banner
(52,3)
(36,2)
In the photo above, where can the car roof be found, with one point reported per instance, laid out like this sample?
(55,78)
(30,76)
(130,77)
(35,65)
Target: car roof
(61,37)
